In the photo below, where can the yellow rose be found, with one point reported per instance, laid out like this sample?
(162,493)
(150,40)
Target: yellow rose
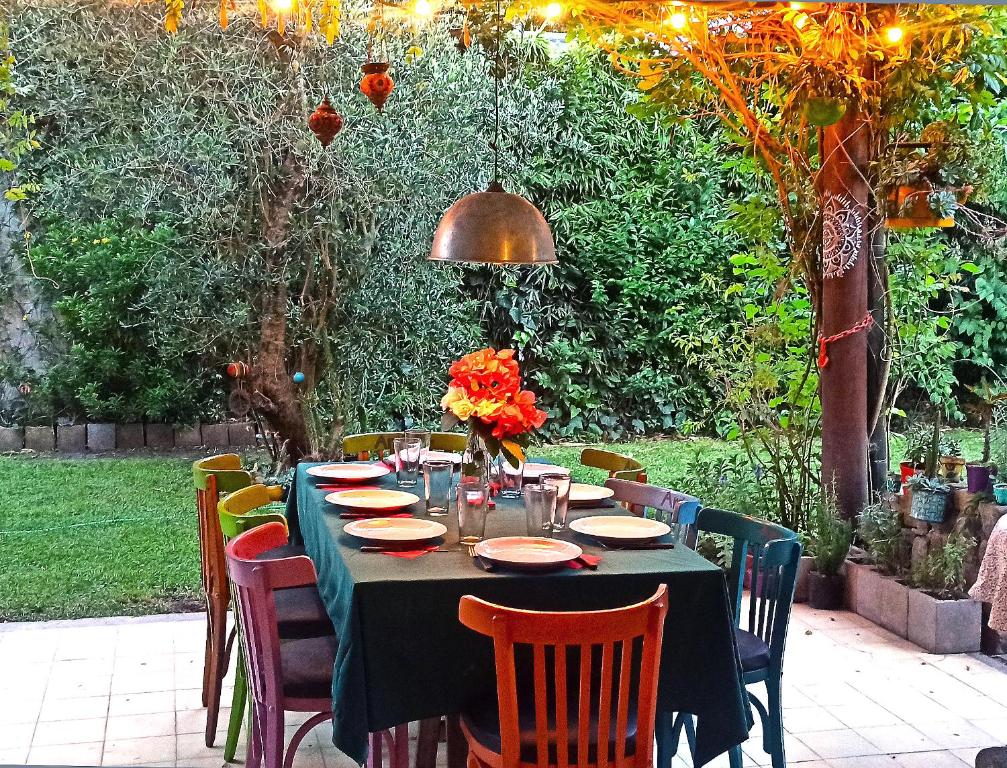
(487,408)
(463,408)
(453,395)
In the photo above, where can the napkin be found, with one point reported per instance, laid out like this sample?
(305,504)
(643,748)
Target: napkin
(370,515)
(577,564)
(410,554)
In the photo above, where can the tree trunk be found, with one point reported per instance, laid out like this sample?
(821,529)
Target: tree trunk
(845,197)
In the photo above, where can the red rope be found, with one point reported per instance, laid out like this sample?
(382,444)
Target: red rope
(823,341)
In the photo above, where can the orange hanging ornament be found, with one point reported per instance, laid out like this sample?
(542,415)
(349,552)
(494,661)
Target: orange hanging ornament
(325,122)
(376,84)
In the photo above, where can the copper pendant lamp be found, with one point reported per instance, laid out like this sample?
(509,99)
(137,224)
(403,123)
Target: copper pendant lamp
(494,227)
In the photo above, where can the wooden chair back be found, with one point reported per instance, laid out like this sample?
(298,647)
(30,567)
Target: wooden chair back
(677,509)
(617,465)
(377,445)
(238,511)
(213,476)
(254,583)
(620,635)
(775,553)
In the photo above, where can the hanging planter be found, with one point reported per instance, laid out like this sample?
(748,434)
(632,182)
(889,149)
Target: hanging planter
(376,84)
(911,206)
(325,122)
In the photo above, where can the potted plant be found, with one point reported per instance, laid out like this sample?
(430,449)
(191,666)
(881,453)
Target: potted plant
(831,537)
(930,492)
(927,181)
(942,619)
(873,594)
(951,461)
(979,474)
(916,451)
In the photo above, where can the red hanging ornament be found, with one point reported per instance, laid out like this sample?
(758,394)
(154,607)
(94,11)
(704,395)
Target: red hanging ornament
(376,84)
(325,122)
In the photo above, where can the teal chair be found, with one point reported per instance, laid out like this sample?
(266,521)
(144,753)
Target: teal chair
(775,553)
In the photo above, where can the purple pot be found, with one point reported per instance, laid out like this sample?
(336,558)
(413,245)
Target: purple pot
(978,477)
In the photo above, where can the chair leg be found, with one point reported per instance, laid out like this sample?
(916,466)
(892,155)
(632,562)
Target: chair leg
(735,756)
(253,751)
(300,733)
(374,753)
(207,657)
(400,751)
(272,737)
(666,730)
(218,668)
(427,742)
(237,710)
(774,726)
(690,733)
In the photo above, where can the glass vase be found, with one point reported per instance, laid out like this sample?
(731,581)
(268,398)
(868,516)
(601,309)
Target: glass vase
(476,459)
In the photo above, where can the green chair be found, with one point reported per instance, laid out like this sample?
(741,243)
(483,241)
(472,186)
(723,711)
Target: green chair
(300,612)
(775,553)
(376,445)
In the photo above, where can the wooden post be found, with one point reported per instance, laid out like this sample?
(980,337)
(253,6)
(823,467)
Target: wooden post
(845,195)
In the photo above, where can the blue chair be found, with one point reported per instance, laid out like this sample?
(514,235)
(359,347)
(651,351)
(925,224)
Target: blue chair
(677,509)
(775,553)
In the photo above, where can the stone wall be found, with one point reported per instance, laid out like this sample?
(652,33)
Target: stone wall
(96,438)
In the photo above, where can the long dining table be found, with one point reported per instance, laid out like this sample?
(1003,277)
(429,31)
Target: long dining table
(403,655)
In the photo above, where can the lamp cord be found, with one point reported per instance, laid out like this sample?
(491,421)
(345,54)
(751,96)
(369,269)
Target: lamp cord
(496,99)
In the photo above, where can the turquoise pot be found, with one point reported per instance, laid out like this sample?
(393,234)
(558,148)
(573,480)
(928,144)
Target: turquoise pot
(1000,493)
(929,505)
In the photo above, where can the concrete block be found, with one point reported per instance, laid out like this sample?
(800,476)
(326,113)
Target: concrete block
(160,436)
(11,439)
(894,607)
(128,437)
(801,588)
(101,437)
(944,626)
(188,437)
(41,439)
(240,433)
(863,590)
(71,438)
(215,435)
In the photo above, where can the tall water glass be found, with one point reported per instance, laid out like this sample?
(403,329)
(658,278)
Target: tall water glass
(561,481)
(511,477)
(407,460)
(539,508)
(472,500)
(437,475)
(423,435)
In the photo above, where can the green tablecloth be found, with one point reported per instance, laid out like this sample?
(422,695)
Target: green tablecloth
(404,656)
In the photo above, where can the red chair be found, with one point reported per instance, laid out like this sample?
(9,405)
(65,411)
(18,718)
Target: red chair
(295,676)
(589,697)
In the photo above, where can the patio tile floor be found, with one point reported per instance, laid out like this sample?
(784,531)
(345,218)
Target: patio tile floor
(126,692)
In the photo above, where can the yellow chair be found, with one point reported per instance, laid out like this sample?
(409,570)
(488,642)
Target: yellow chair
(617,465)
(376,445)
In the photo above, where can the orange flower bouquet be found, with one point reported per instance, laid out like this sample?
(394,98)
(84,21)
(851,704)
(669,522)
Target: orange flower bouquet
(485,393)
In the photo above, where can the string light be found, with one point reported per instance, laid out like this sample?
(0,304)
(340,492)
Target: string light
(796,6)
(281,6)
(894,34)
(423,8)
(678,20)
(552,11)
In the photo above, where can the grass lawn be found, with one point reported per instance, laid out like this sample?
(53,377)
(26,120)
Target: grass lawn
(107,537)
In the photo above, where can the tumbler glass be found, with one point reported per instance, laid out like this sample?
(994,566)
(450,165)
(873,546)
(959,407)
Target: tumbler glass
(437,475)
(407,460)
(562,483)
(423,435)
(539,508)
(472,500)
(511,477)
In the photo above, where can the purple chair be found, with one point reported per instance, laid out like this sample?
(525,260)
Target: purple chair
(295,676)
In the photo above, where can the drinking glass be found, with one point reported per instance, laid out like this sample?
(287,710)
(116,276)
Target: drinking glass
(471,499)
(539,508)
(437,475)
(407,460)
(511,477)
(562,483)
(423,435)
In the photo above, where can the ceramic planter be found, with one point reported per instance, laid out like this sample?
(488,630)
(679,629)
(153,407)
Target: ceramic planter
(801,587)
(1000,492)
(825,591)
(952,468)
(978,477)
(944,626)
(907,469)
(929,505)
(863,590)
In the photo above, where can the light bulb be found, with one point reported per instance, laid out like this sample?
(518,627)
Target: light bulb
(894,34)
(281,6)
(552,11)
(796,6)
(801,20)
(678,20)
(423,8)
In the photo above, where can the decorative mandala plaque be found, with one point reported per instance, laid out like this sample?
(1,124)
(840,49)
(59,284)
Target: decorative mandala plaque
(842,234)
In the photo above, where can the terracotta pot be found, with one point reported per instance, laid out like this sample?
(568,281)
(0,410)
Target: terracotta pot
(907,469)
(825,591)
(978,477)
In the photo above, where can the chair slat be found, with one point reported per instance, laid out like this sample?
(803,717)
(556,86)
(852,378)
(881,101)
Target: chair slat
(584,705)
(622,713)
(541,707)
(562,724)
(605,704)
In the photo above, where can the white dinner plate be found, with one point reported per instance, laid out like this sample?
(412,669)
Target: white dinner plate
(455,458)
(534,470)
(397,529)
(349,472)
(528,552)
(620,528)
(373,500)
(581,493)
